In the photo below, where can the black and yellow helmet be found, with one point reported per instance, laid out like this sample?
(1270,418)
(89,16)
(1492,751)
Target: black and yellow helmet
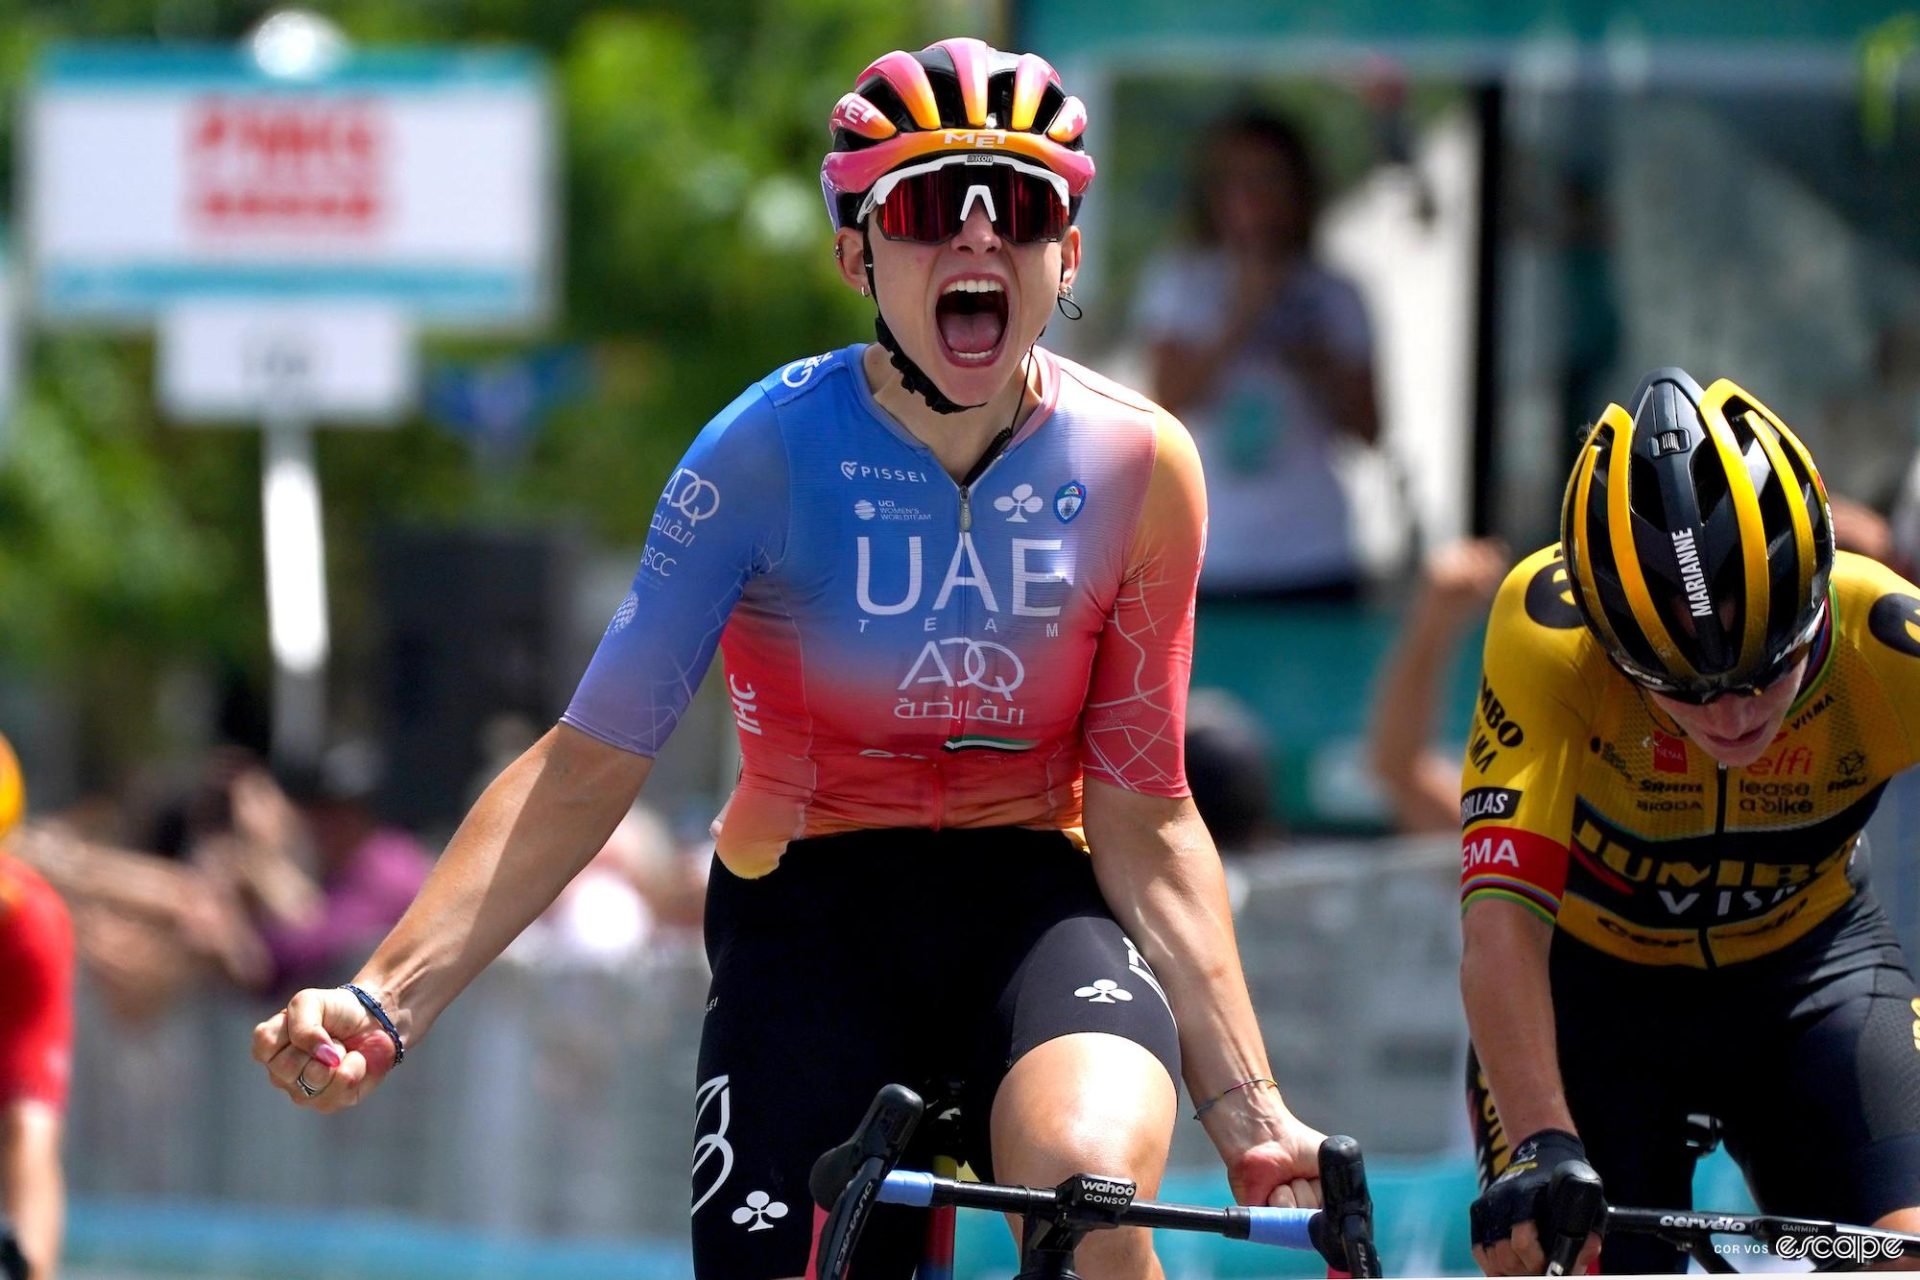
(1697,537)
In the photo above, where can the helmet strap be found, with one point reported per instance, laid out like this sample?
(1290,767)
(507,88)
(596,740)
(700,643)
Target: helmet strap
(911,375)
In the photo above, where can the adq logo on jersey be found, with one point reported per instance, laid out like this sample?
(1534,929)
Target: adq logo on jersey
(1068,500)
(967,664)
(695,499)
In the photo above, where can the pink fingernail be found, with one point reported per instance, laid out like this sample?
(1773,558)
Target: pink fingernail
(327,1055)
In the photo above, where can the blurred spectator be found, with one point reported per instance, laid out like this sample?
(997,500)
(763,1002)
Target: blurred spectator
(1905,524)
(36,1044)
(366,872)
(1423,784)
(1268,358)
(149,927)
(1859,528)
(1227,770)
(602,919)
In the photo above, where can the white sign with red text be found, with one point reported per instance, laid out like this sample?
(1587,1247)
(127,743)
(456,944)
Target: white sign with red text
(416,178)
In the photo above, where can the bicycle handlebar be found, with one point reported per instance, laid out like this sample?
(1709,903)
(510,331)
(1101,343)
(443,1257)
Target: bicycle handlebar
(1694,1233)
(1285,1228)
(851,1178)
(1575,1207)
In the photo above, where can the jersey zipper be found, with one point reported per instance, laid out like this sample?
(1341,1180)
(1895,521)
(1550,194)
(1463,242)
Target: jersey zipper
(996,447)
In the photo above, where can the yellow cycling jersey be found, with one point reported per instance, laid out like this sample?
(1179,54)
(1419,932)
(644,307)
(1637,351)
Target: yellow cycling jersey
(1582,801)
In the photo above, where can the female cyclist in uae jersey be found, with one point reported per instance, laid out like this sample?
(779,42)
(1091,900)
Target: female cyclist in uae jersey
(36,1044)
(952,575)
(1689,708)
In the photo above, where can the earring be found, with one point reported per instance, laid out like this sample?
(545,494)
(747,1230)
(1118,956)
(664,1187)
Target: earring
(863,291)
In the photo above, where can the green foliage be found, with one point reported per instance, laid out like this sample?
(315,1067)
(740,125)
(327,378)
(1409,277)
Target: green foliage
(695,257)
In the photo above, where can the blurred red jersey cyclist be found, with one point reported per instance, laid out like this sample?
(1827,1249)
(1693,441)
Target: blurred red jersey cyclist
(953,576)
(36,1040)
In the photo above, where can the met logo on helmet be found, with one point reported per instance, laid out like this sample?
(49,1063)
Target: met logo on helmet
(974,138)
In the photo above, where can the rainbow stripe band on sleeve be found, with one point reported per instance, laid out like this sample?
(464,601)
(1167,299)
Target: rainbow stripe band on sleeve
(1520,866)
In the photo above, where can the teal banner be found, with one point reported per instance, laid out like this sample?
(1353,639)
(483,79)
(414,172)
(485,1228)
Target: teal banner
(1069,29)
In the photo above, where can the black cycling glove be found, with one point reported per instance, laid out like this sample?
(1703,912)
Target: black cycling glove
(13,1266)
(1520,1194)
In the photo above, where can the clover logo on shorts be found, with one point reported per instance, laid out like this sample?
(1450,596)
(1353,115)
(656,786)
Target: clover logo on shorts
(759,1209)
(1104,991)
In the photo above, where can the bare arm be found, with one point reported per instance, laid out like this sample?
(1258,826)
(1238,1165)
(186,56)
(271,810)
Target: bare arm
(1422,784)
(1162,878)
(35,1187)
(140,883)
(1503,978)
(531,831)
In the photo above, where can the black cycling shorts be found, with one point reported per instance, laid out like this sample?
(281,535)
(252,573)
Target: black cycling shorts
(877,957)
(1808,1058)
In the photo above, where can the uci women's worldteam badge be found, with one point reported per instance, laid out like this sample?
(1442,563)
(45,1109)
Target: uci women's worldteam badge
(1068,499)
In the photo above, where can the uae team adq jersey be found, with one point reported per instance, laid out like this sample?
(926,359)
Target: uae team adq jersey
(900,651)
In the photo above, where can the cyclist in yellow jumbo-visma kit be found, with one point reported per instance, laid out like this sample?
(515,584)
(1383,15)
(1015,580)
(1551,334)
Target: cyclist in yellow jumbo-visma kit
(1688,710)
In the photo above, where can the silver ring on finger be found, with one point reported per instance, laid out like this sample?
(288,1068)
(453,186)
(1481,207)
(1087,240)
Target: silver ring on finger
(309,1090)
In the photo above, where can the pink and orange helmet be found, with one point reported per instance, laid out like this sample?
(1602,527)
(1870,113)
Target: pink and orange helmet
(958,95)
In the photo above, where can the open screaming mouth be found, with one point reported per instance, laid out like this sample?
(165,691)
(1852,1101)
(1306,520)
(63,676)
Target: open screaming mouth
(971,316)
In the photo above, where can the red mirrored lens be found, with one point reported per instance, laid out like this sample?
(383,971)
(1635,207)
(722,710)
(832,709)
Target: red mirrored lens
(1031,210)
(926,207)
(916,209)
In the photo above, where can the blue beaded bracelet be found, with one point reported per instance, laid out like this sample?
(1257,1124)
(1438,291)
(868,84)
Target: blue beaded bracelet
(372,1006)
